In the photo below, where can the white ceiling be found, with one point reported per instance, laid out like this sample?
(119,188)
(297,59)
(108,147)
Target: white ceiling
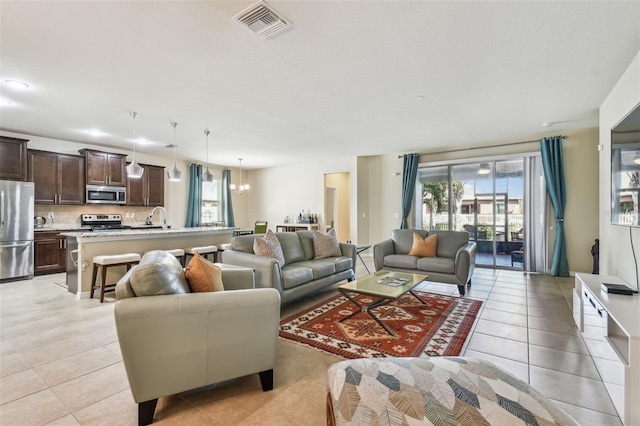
(342,79)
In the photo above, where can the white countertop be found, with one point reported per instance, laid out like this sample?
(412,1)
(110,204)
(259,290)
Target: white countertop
(81,228)
(56,228)
(145,233)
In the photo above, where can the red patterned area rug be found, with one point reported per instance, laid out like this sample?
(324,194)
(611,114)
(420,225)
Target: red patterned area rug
(437,328)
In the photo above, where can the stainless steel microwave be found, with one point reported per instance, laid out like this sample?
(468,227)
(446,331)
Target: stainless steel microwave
(97,194)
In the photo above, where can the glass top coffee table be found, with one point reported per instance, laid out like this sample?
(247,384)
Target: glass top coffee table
(386,286)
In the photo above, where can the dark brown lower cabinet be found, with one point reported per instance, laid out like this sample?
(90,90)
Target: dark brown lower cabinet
(50,253)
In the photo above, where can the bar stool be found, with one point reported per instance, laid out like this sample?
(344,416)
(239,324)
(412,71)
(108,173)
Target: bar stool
(204,251)
(108,261)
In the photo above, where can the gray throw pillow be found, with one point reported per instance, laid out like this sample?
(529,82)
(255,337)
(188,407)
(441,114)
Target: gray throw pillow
(158,273)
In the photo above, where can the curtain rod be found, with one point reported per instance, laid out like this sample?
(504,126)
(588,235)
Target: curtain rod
(478,147)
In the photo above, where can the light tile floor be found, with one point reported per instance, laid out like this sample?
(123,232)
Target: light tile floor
(60,363)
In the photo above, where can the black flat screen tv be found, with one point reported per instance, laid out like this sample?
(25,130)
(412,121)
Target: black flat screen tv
(625,170)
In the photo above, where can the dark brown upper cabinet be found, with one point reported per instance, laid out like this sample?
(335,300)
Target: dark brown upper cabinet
(105,168)
(13,158)
(58,178)
(147,190)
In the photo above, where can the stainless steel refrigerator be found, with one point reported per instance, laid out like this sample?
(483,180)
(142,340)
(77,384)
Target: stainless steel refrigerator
(16,230)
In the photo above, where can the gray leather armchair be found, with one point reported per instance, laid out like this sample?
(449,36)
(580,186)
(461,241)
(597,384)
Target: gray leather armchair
(176,342)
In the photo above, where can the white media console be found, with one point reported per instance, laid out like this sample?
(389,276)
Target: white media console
(615,319)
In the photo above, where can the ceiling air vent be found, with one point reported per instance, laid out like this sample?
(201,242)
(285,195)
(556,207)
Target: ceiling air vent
(262,20)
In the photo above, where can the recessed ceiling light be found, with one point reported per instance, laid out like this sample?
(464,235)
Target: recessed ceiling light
(16,84)
(418,98)
(547,124)
(5,102)
(144,141)
(95,132)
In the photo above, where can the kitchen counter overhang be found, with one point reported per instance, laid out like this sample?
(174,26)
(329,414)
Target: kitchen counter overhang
(151,232)
(139,241)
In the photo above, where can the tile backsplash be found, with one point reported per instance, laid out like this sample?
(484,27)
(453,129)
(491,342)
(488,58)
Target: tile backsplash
(70,215)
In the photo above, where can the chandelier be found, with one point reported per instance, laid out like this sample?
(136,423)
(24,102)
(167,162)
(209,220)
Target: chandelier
(240,188)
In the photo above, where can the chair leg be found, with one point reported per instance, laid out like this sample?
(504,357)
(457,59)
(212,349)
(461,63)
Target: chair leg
(145,412)
(266,380)
(93,280)
(104,283)
(461,289)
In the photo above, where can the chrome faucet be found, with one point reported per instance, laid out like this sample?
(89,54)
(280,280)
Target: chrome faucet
(164,217)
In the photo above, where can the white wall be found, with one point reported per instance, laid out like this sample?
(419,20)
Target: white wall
(280,191)
(616,257)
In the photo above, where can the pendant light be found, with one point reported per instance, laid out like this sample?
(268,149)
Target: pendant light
(134,170)
(174,174)
(241,188)
(207,176)
(484,169)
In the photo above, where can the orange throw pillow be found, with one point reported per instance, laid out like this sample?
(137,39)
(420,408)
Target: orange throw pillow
(203,275)
(424,247)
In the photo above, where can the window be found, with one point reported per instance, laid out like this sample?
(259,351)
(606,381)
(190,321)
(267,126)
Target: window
(211,202)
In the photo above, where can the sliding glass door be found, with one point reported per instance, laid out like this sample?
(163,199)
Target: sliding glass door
(485,199)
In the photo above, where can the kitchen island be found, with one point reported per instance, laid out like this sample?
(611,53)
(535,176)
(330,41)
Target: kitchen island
(83,246)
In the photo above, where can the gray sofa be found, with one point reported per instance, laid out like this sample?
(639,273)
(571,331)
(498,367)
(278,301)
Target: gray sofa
(301,273)
(454,262)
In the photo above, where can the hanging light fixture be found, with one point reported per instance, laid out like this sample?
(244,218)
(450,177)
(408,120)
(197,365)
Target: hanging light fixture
(485,169)
(174,174)
(207,176)
(241,188)
(134,170)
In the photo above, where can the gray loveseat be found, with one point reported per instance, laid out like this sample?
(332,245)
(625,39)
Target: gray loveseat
(454,262)
(301,273)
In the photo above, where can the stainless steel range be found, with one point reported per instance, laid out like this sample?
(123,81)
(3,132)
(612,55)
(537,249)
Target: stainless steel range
(103,222)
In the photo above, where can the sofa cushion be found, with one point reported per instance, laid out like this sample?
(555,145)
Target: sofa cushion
(326,245)
(291,247)
(203,276)
(306,239)
(450,241)
(445,265)
(403,239)
(342,263)
(269,246)
(294,275)
(243,243)
(403,261)
(424,247)
(158,273)
(320,268)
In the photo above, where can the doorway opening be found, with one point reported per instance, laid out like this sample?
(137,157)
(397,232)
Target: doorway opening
(337,204)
